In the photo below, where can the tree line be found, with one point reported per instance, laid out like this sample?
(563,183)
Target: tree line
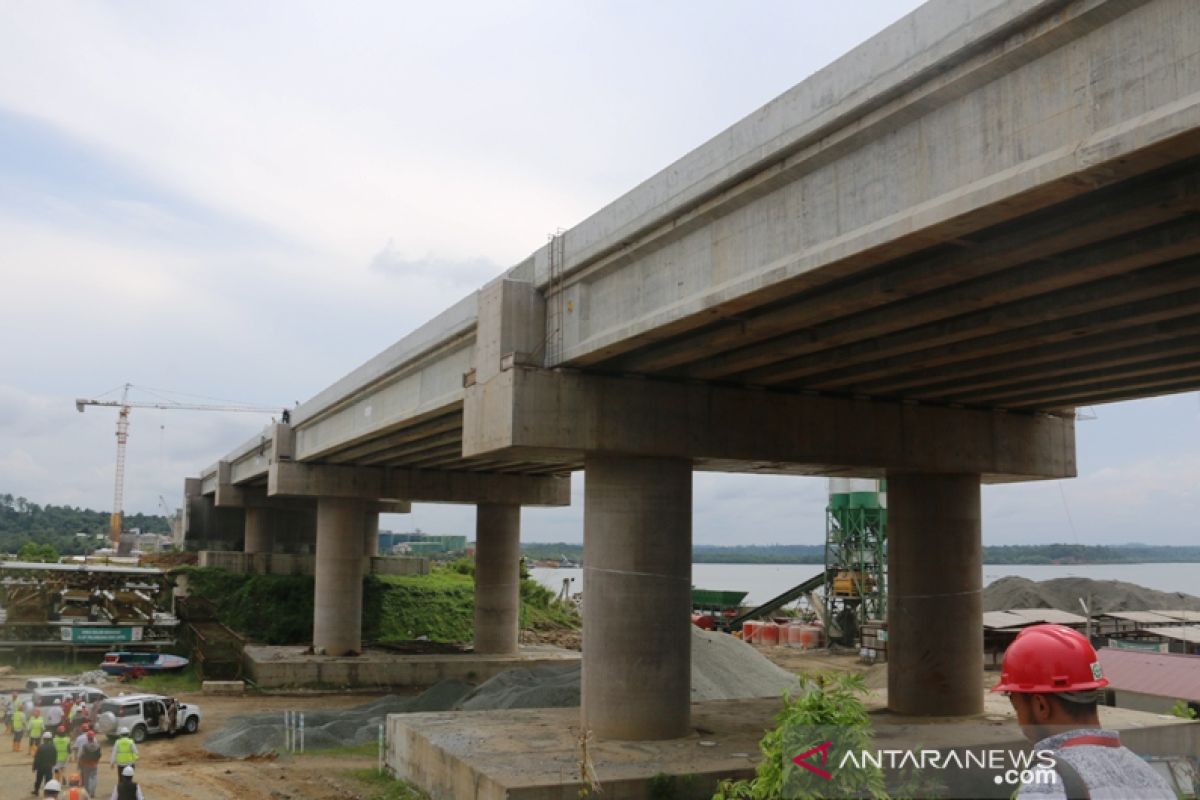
(23,522)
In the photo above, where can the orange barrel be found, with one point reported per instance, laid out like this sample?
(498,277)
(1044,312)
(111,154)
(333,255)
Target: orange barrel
(749,629)
(770,633)
(809,636)
(791,633)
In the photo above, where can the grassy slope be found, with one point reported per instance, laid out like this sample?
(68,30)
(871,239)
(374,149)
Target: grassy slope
(277,609)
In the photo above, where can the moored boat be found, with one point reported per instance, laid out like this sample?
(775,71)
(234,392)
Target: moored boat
(128,663)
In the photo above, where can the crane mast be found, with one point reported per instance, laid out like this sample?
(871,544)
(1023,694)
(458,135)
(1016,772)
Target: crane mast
(116,521)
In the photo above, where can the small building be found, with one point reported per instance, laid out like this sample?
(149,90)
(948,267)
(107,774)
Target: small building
(1001,627)
(1183,639)
(1153,682)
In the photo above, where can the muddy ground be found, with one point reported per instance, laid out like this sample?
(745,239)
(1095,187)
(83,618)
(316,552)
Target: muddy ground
(180,768)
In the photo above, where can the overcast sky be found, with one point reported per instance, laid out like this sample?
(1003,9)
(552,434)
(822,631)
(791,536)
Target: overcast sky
(244,201)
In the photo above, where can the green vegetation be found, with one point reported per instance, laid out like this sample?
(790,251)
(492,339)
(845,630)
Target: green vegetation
(23,522)
(278,609)
(384,787)
(42,553)
(1182,710)
(832,710)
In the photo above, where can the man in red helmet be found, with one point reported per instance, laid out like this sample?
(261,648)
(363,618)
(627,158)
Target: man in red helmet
(1052,675)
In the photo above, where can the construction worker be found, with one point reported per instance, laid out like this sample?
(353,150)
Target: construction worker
(51,789)
(124,751)
(54,714)
(9,705)
(43,762)
(76,790)
(36,727)
(62,747)
(88,756)
(127,788)
(18,727)
(1052,675)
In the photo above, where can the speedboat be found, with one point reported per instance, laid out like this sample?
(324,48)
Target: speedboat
(124,662)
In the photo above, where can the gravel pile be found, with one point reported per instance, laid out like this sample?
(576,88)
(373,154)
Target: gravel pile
(723,668)
(93,677)
(1064,594)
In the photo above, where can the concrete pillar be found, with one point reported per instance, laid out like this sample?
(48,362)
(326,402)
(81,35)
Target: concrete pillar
(637,551)
(497,577)
(371,533)
(935,600)
(260,534)
(337,602)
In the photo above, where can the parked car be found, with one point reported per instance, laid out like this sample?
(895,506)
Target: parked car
(46,697)
(33,684)
(144,715)
(123,662)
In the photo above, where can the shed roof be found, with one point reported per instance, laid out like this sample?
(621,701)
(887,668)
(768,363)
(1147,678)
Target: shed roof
(1182,615)
(1183,633)
(1161,674)
(1053,615)
(1148,617)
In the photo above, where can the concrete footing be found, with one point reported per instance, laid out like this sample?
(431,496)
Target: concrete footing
(637,552)
(935,594)
(534,754)
(292,668)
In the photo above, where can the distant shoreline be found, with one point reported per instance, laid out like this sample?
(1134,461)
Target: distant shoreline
(1061,555)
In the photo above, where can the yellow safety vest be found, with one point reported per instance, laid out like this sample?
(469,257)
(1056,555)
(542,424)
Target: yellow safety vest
(62,746)
(18,722)
(125,754)
(36,726)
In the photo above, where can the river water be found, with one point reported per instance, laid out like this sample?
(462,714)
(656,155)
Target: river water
(764,581)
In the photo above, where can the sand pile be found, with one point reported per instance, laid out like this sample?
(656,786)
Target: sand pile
(723,668)
(1064,594)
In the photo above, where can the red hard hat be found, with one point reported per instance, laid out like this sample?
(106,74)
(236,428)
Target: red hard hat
(1050,658)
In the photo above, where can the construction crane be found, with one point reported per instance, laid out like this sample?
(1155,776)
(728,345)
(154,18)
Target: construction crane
(116,521)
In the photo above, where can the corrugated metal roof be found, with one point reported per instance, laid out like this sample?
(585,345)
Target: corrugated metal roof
(1183,633)
(1003,619)
(1049,615)
(1161,674)
(1148,617)
(1179,614)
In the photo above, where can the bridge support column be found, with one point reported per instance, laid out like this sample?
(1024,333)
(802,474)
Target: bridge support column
(337,602)
(497,577)
(371,533)
(637,540)
(260,530)
(935,600)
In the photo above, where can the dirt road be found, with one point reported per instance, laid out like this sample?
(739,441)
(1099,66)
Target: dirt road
(180,768)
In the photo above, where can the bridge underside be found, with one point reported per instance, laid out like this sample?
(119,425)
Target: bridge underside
(1091,300)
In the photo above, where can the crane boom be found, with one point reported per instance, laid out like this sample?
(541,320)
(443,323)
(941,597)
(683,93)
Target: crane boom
(116,520)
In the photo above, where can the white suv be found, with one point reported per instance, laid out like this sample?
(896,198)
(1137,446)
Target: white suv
(143,715)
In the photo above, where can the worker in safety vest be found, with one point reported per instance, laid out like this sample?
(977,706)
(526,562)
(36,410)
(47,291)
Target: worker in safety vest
(1052,675)
(18,727)
(36,727)
(62,748)
(124,752)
